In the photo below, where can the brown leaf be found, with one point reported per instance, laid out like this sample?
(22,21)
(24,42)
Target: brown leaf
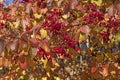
(59,2)
(80,7)
(74,3)
(54,62)
(13,45)
(34,42)
(34,51)
(28,8)
(2,45)
(112,10)
(68,69)
(1,61)
(45,46)
(6,62)
(44,10)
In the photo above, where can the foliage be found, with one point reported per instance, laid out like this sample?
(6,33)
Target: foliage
(60,39)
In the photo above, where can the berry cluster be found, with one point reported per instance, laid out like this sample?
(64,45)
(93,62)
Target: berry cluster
(61,51)
(94,17)
(44,54)
(53,23)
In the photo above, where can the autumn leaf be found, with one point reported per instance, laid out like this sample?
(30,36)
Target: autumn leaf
(34,51)
(82,33)
(2,45)
(28,8)
(74,3)
(13,45)
(6,62)
(93,69)
(37,16)
(98,2)
(1,61)
(44,78)
(34,42)
(104,70)
(44,10)
(66,16)
(43,33)
(118,36)
(45,46)
(85,29)
(24,64)
(112,10)
(16,24)
(45,62)
(56,78)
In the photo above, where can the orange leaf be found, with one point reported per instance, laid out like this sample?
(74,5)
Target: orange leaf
(104,71)
(24,65)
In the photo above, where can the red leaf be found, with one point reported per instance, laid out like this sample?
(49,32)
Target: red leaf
(93,69)
(24,65)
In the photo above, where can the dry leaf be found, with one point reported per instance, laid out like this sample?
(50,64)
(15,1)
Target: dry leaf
(13,45)
(74,3)
(2,45)
(59,2)
(34,51)
(1,61)
(44,10)
(45,46)
(112,10)
(28,8)
(34,42)
(54,62)
(68,69)
(104,71)
(6,62)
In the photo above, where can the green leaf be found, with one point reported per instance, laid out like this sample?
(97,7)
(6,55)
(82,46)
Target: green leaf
(118,36)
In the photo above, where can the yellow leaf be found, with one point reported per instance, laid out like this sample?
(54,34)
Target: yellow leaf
(98,2)
(113,72)
(44,78)
(81,37)
(11,25)
(43,33)
(24,72)
(37,16)
(16,24)
(65,16)
(48,74)
(34,23)
(32,78)
(45,63)
(56,78)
